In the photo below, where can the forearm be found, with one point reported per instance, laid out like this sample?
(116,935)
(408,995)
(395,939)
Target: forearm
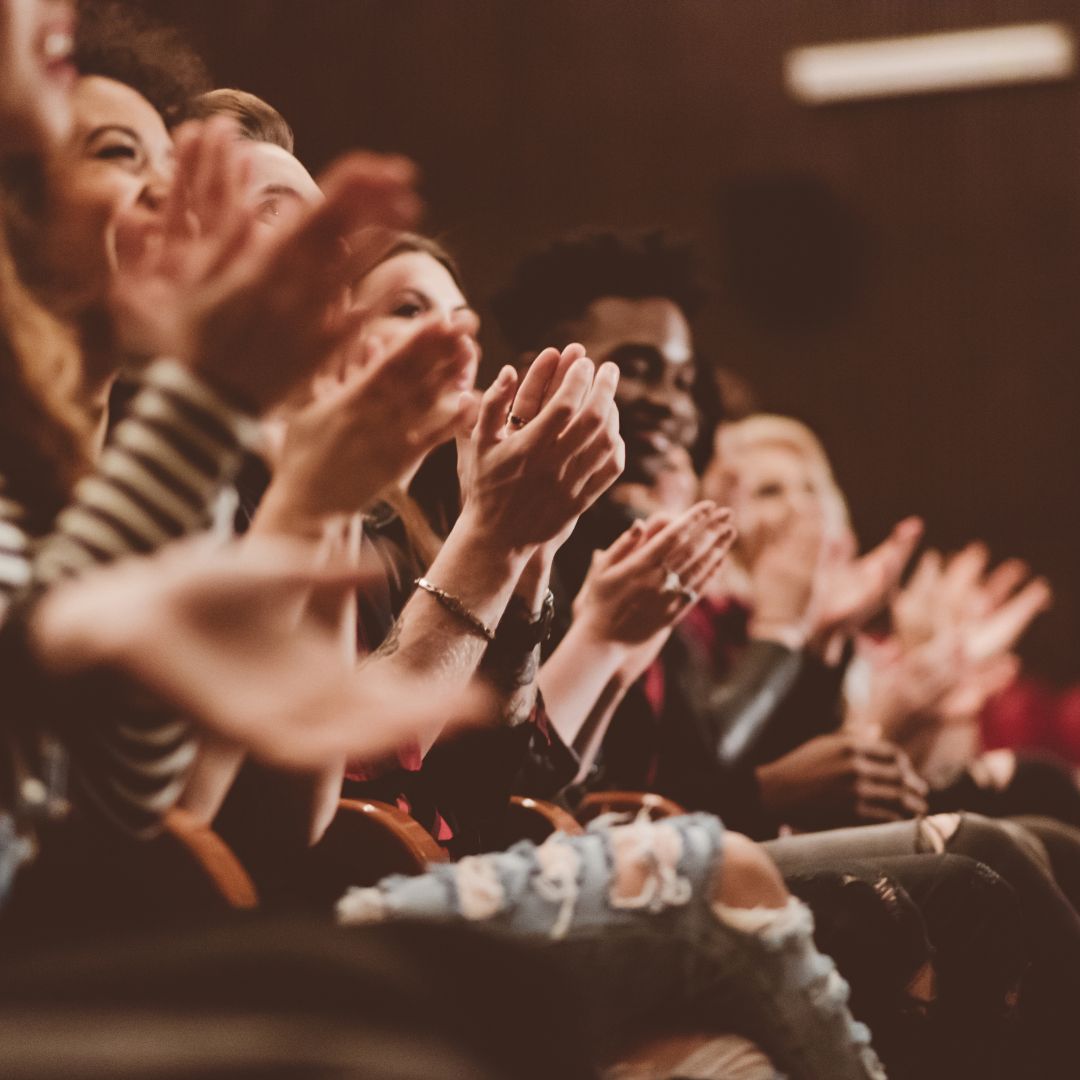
(157,479)
(430,641)
(509,664)
(581,671)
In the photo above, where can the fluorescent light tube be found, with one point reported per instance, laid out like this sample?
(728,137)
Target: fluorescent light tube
(930,63)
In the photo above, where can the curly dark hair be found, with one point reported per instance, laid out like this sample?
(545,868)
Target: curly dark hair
(557,283)
(119,41)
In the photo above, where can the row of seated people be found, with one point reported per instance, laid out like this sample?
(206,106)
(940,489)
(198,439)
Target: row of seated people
(453,609)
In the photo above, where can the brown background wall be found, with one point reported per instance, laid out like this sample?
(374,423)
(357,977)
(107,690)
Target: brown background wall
(902,275)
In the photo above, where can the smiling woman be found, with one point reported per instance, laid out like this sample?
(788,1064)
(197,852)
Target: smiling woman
(36,39)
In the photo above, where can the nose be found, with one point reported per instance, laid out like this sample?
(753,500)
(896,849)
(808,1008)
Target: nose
(159,180)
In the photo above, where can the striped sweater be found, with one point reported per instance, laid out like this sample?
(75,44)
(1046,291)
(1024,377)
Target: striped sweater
(165,465)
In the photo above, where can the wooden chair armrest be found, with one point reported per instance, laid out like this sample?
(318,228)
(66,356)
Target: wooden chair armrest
(213,857)
(367,841)
(536,820)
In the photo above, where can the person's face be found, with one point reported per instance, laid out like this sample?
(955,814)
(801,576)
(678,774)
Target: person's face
(650,341)
(36,73)
(119,158)
(767,486)
(407,287)
(281,186)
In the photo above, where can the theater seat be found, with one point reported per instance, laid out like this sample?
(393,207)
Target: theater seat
(626,802)
(367,841)
(536,820)
(210,855)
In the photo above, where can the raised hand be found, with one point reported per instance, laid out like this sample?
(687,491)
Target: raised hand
(255,315)
(855,589)
(215,633)
(157,259)
(785,576)
(530,475)
(841,779)
(629,594)
(370,429)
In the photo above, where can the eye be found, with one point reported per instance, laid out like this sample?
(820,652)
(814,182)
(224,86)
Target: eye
(769,491)
(409,304)
(269,210)
(123,153)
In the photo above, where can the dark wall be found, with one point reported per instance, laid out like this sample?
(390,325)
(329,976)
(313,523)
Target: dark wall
(902,275)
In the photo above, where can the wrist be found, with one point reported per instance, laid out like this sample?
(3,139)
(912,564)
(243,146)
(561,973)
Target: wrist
(535,580)
(479,573)
(791,633)
(472,531)
(282,513)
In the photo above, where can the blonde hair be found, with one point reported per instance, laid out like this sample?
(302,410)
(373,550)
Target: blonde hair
(769,429)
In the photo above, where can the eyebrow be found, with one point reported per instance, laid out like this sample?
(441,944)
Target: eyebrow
(280,189)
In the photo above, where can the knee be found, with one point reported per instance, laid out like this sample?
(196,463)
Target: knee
(1003,846)
(748,878)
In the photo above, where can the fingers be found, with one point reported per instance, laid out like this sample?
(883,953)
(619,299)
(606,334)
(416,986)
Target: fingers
(188,144)
(707,536)
(564,403)
(534,384)
(601,477)
(213,193)
(626,542)
(593,413)
(1003,581)
(666,542)
(361,190)
(495,406)
(567,358)
(1001,631)
(703,574)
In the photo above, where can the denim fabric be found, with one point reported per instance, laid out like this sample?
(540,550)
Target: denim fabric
(14,851)
(662,954)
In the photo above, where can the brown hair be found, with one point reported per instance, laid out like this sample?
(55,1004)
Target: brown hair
(426,501)
(44,432)
(382,244)
(258,120)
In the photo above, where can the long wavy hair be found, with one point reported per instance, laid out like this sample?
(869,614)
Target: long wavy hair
(428,508)
(44,431)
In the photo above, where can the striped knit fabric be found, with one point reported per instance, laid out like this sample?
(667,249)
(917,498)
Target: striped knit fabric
(158,479)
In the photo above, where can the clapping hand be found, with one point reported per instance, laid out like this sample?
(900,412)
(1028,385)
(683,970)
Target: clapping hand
(652,575)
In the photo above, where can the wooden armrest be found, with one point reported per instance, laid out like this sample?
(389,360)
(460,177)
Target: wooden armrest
(367,841)
(536,820)
(626,802)
(214,858)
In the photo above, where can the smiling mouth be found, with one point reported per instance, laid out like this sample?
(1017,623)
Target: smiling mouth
(652,439)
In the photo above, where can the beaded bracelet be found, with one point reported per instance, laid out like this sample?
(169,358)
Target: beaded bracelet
(456,607)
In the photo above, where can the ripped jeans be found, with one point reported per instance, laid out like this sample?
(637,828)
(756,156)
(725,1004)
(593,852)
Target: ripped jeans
(666,954)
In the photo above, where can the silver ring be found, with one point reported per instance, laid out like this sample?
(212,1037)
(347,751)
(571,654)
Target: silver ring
(672,585)
(515,421)
(689,596)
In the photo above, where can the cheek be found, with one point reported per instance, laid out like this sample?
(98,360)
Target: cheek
(82,208)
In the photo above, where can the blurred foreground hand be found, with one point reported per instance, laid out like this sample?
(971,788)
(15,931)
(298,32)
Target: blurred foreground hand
(221,635)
